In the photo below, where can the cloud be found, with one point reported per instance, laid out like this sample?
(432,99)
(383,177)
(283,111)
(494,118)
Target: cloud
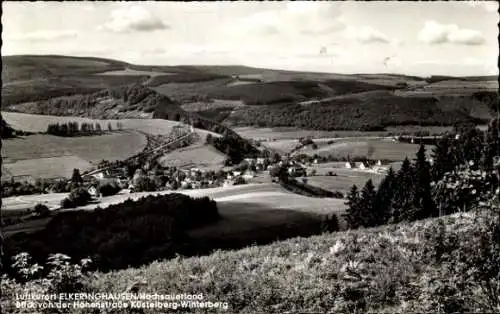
(300,17)
(43,35)
(366,35)
(435,33)
(134,19)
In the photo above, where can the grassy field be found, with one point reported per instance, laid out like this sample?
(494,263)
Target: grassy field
(343,181)
(91,148)
(287,133)
(134,72)
(373,149)
(264,205)
(47,167)
(213,104)
(281,146)
(39,123)
(198,155)
(389,269)
(48,156)
(190,91)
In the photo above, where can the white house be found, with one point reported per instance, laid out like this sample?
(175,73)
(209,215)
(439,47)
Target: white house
(249,175)
(362,165)
(237,173)
(348,165)
(93,191)
(315,161)
(379,163)
(98,175)
(260,160)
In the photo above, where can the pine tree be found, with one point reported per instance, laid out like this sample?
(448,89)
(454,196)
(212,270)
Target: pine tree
(403,192)
(352,215)
(443,158)
(423,204)
(366,205)
(382,206)
(76,177)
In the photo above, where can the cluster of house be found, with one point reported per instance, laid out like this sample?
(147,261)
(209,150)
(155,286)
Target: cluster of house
(376,167)
(173,179)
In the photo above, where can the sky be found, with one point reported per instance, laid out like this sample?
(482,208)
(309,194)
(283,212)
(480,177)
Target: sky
(412,38)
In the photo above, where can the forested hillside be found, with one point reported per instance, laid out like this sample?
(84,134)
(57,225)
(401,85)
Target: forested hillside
(351,114)
(124,101)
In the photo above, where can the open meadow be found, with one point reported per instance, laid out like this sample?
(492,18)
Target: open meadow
(39,123)
(198,155)
(129,71)
(343,181)
(378,149)
(250,207)
(288,133)
(46,156)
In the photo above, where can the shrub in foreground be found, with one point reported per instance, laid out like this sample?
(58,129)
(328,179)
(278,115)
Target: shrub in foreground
(58,276)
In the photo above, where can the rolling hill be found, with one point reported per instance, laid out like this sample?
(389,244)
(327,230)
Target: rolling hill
(272,98)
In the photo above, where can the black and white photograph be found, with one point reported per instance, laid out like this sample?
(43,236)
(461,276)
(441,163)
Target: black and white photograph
(250,157)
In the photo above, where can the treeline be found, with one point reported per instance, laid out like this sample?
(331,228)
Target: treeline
(303,188)
(235,147)
(12,96)
(182,78)
(351,114)
(124,235)
(462,174)
(75,129)
(107,103)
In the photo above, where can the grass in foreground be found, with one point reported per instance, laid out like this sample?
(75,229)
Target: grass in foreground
(448,264)
(437,265)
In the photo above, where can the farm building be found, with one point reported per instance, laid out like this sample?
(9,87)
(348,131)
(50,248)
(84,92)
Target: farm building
(249,175)
(362,165)
(93,190)
(348,165)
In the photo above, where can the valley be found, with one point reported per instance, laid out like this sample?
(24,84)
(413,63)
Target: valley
(277,151)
